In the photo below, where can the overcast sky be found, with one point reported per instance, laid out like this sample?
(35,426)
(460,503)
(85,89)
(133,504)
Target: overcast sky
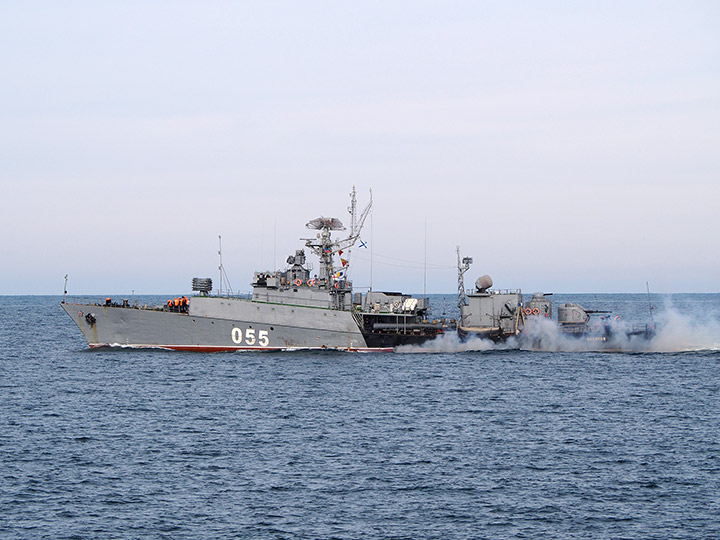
(565,146)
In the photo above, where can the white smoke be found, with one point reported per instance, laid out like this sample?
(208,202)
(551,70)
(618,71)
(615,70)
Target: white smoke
(450,342)
(600,335)
(678,332)
(672,331)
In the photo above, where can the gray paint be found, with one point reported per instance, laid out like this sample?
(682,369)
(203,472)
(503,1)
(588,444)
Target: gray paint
(214,321)
(491,312)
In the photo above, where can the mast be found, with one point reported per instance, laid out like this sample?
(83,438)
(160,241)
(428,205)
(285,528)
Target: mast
(324,247)
(353,210)
(372,245)
(220,266)
(356,225)
(353,227)
(222,271)
(463,267)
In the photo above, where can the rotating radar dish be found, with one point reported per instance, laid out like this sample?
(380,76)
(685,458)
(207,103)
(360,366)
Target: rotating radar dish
(333,224)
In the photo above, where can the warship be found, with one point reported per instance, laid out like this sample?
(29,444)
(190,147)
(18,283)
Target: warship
(498,315)
(292,308)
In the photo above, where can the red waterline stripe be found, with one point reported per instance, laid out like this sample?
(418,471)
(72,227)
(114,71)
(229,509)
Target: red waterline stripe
(220,348)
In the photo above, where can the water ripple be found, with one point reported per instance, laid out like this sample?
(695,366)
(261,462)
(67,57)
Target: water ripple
(485,444)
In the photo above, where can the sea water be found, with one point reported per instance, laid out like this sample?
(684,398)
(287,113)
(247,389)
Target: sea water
(448,441)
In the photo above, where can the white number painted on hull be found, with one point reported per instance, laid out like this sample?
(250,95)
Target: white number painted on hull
(249,338)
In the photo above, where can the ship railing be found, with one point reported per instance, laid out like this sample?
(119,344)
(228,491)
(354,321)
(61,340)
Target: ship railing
(580,328)
(129,303)
(358,318)
(496,291)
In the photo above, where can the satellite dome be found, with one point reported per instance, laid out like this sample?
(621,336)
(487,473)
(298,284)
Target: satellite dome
(483,283)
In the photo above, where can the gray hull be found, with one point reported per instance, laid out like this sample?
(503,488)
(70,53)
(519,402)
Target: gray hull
(219,324)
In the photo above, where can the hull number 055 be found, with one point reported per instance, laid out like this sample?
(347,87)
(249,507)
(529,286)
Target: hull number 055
(250,337)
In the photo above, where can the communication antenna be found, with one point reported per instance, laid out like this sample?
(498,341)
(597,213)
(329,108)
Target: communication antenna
(274,266)
(650,306)
(65,289)
(425,262)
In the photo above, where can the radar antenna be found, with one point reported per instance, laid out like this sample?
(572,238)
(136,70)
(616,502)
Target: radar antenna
(333,224)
